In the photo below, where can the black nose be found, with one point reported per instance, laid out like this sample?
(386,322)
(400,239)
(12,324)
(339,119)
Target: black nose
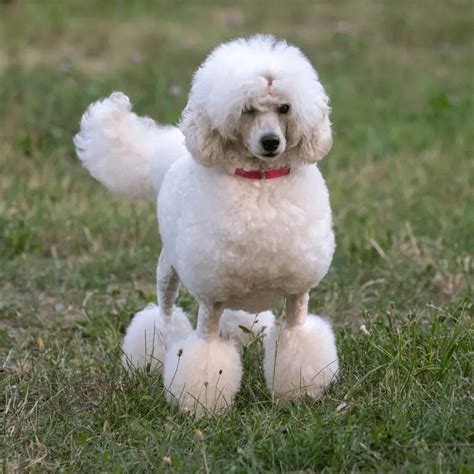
(270,142)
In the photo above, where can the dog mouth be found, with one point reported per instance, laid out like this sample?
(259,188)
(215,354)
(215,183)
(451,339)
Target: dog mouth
(263,155)
(267,156)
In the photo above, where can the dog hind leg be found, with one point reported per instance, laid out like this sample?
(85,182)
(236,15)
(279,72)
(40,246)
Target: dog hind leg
(244,327)
(167,282)
(154,329)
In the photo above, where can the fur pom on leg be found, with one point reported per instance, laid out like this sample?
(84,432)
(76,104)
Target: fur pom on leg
(300,360)
(243,327)
(149,335)
(202,375)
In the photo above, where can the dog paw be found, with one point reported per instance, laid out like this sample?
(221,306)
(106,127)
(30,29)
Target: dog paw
(149,335)
(243,327)
(301,360)
(202,375)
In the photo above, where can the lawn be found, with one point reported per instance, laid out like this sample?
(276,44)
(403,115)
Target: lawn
(76,262)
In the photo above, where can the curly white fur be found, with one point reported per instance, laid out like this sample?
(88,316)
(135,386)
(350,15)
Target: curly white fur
(300,360)
(234,243)
(149,335)
(244,327)
(202,375)
(119,148)
(222,88)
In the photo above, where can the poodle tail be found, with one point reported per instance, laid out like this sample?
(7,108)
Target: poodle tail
(127,153)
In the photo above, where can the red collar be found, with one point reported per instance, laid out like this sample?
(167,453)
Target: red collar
(262,174)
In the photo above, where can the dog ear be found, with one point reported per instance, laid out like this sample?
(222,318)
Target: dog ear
(315,143)
(204,143)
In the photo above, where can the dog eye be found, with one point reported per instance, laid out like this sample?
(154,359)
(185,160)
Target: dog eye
(248,110)
(283,109)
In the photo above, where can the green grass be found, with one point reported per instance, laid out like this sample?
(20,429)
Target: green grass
(76,262)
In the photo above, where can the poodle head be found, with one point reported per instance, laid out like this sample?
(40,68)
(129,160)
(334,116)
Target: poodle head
(257,100)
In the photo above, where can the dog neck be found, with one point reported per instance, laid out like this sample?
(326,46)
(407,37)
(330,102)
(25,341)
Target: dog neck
(262,173)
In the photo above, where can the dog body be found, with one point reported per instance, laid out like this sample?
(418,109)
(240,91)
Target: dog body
(244,216)
(260,240)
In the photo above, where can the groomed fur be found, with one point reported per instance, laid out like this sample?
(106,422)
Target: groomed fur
(149,336)
(244,327)
(234,243)
(202,375)
(211,118)
(127,153)
(300,360)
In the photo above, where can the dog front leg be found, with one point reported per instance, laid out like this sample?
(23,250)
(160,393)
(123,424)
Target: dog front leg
(203,372)
(296,310)
(300,355)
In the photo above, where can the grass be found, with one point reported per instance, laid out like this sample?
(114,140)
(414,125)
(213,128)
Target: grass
(76,262)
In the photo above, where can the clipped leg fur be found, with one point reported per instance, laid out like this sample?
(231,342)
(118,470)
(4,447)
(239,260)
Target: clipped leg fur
(149,335)
(203,372)
(301,359)
(202,375)
(244,327)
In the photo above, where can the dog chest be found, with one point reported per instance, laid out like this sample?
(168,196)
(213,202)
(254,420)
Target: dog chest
(229,238)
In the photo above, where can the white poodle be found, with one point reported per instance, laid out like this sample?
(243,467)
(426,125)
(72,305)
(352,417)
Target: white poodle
(244,217)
